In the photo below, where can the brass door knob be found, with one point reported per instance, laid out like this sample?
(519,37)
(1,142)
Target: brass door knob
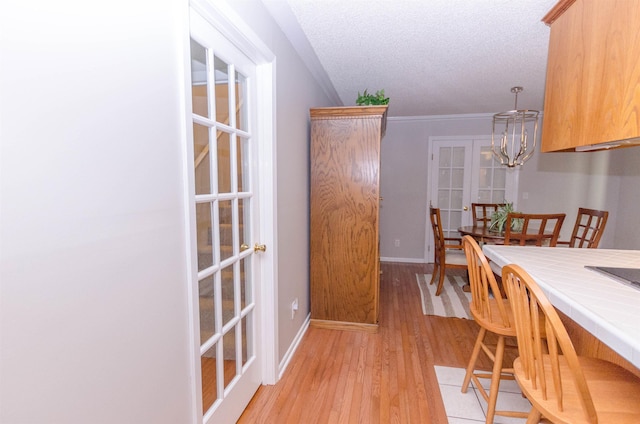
(466,208)
(244,247)
(260,247)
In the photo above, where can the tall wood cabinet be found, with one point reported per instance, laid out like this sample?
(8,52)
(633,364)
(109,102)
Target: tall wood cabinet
(592,91)
(344,204)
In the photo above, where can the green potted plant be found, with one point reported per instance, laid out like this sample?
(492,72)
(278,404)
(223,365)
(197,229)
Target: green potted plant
(372,99)
(499,219)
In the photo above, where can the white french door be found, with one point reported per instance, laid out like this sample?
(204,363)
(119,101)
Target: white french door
(226,223)
(463,171)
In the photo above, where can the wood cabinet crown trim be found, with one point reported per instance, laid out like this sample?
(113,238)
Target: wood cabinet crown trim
(557,10)
(350,111)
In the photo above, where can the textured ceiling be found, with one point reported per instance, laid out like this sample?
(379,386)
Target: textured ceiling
(432,57)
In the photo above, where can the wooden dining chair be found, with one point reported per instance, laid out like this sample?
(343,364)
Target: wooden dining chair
(448,252)
(481,213)
(533,229)
(562,386)
(493,314)
(588,229)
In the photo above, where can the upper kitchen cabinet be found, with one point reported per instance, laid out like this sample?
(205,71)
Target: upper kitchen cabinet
(592,92)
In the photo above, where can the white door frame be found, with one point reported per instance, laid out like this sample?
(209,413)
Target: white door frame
(227,22)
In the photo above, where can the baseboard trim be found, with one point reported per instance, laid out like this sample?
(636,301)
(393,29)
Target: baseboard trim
(342,325)
(404,260)
(293,347)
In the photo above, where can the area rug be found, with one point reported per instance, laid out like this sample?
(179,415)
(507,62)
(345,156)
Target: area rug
(452,302)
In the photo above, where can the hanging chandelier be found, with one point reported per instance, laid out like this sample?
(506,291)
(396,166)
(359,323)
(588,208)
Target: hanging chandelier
(513,128)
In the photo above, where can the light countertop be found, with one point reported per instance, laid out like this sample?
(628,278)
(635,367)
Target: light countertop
(607,308)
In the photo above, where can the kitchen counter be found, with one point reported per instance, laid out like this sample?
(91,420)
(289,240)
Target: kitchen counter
(607,308)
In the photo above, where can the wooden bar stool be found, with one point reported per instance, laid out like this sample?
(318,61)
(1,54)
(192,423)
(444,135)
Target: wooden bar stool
(493,314)
(562,386)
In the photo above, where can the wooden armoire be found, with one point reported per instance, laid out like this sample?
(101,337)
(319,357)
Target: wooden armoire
(345,203)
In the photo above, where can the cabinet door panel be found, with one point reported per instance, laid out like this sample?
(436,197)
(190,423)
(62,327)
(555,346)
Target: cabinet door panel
(593,75)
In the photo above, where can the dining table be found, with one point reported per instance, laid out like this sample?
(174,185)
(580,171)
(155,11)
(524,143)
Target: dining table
(482,234)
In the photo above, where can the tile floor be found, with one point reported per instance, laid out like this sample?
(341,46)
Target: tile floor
(468,408)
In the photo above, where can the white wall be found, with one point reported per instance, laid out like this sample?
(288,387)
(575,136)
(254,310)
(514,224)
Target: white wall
(553,181)
(93,285)
(626,164)
(296,92)
(403,184)
(565,181)
(404,178)
(93,289)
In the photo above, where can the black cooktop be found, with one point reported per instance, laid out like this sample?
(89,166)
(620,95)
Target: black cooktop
(626,275)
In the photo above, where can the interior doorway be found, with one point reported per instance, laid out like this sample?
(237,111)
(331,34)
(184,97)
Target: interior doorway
(462,171)
(231,190)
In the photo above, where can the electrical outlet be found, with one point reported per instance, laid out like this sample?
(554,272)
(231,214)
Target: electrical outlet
(294,307)
(397,242)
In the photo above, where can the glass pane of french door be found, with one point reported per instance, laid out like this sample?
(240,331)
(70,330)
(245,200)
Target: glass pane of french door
(225,219)
(489,180)
(463,171)
(451,162)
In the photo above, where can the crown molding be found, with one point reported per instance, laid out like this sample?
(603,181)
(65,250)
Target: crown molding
(286,20)
(465,116)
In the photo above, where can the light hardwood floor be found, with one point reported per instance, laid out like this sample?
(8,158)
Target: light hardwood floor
(357,377)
